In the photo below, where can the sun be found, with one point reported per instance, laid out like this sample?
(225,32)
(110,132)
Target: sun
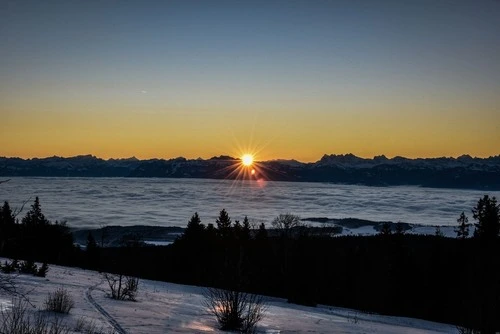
(247,160)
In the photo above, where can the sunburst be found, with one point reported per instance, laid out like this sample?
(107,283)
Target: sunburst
(247,159)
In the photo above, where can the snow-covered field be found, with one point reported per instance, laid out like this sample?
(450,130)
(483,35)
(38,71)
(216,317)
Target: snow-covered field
(172,308)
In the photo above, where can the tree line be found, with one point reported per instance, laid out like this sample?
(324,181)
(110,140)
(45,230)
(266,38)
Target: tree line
(452,280)
(34,237)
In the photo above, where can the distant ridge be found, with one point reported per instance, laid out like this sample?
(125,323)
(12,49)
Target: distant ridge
(461,172)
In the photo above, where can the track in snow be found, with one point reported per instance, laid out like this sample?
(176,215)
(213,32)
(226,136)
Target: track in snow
(109,318)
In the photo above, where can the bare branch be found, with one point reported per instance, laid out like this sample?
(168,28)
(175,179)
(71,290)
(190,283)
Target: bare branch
(285,223)
(122,287)
(16,212)
(4,181)
(9,287)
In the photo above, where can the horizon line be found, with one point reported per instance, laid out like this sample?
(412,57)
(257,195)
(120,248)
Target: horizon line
(239,158)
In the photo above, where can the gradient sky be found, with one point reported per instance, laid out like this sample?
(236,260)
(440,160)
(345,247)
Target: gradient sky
(289,79)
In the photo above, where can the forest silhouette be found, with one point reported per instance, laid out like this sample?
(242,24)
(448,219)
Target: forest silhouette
(451,280)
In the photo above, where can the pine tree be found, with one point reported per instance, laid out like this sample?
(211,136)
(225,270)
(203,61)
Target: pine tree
(6,215)
(487,214)
(463,227)
(35,217)
(92,251)
(223,223)
(399,229)
(28,267)
(211,231)
(91,243)
(237,228)
(42,271)
(386,229)
(7,222)
(261,232)
(245,230)
(194,227)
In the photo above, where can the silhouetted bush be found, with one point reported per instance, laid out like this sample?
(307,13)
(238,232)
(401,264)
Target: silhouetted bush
(28,267)
(9,267)
(59,301)
(122,287)
(42,271)
(234,310)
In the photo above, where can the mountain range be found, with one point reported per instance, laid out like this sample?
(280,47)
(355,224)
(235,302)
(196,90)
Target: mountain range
(462,172)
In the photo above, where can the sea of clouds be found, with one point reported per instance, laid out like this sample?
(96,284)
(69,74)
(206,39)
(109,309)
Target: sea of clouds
(93,202)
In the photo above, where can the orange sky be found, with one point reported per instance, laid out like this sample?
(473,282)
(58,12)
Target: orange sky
(293,135)
(283,81)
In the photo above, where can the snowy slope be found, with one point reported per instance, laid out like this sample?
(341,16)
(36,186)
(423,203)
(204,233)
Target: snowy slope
(172,308)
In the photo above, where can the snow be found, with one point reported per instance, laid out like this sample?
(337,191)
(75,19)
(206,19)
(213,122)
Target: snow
(158,242)
(163,307)
(363,230)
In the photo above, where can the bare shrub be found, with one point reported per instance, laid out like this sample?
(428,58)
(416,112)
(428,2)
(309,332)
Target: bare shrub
(90,327)
(18,320)
(14,320)
(235,310)
(59,301)
(286,223)
(122,287)
(80,325)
